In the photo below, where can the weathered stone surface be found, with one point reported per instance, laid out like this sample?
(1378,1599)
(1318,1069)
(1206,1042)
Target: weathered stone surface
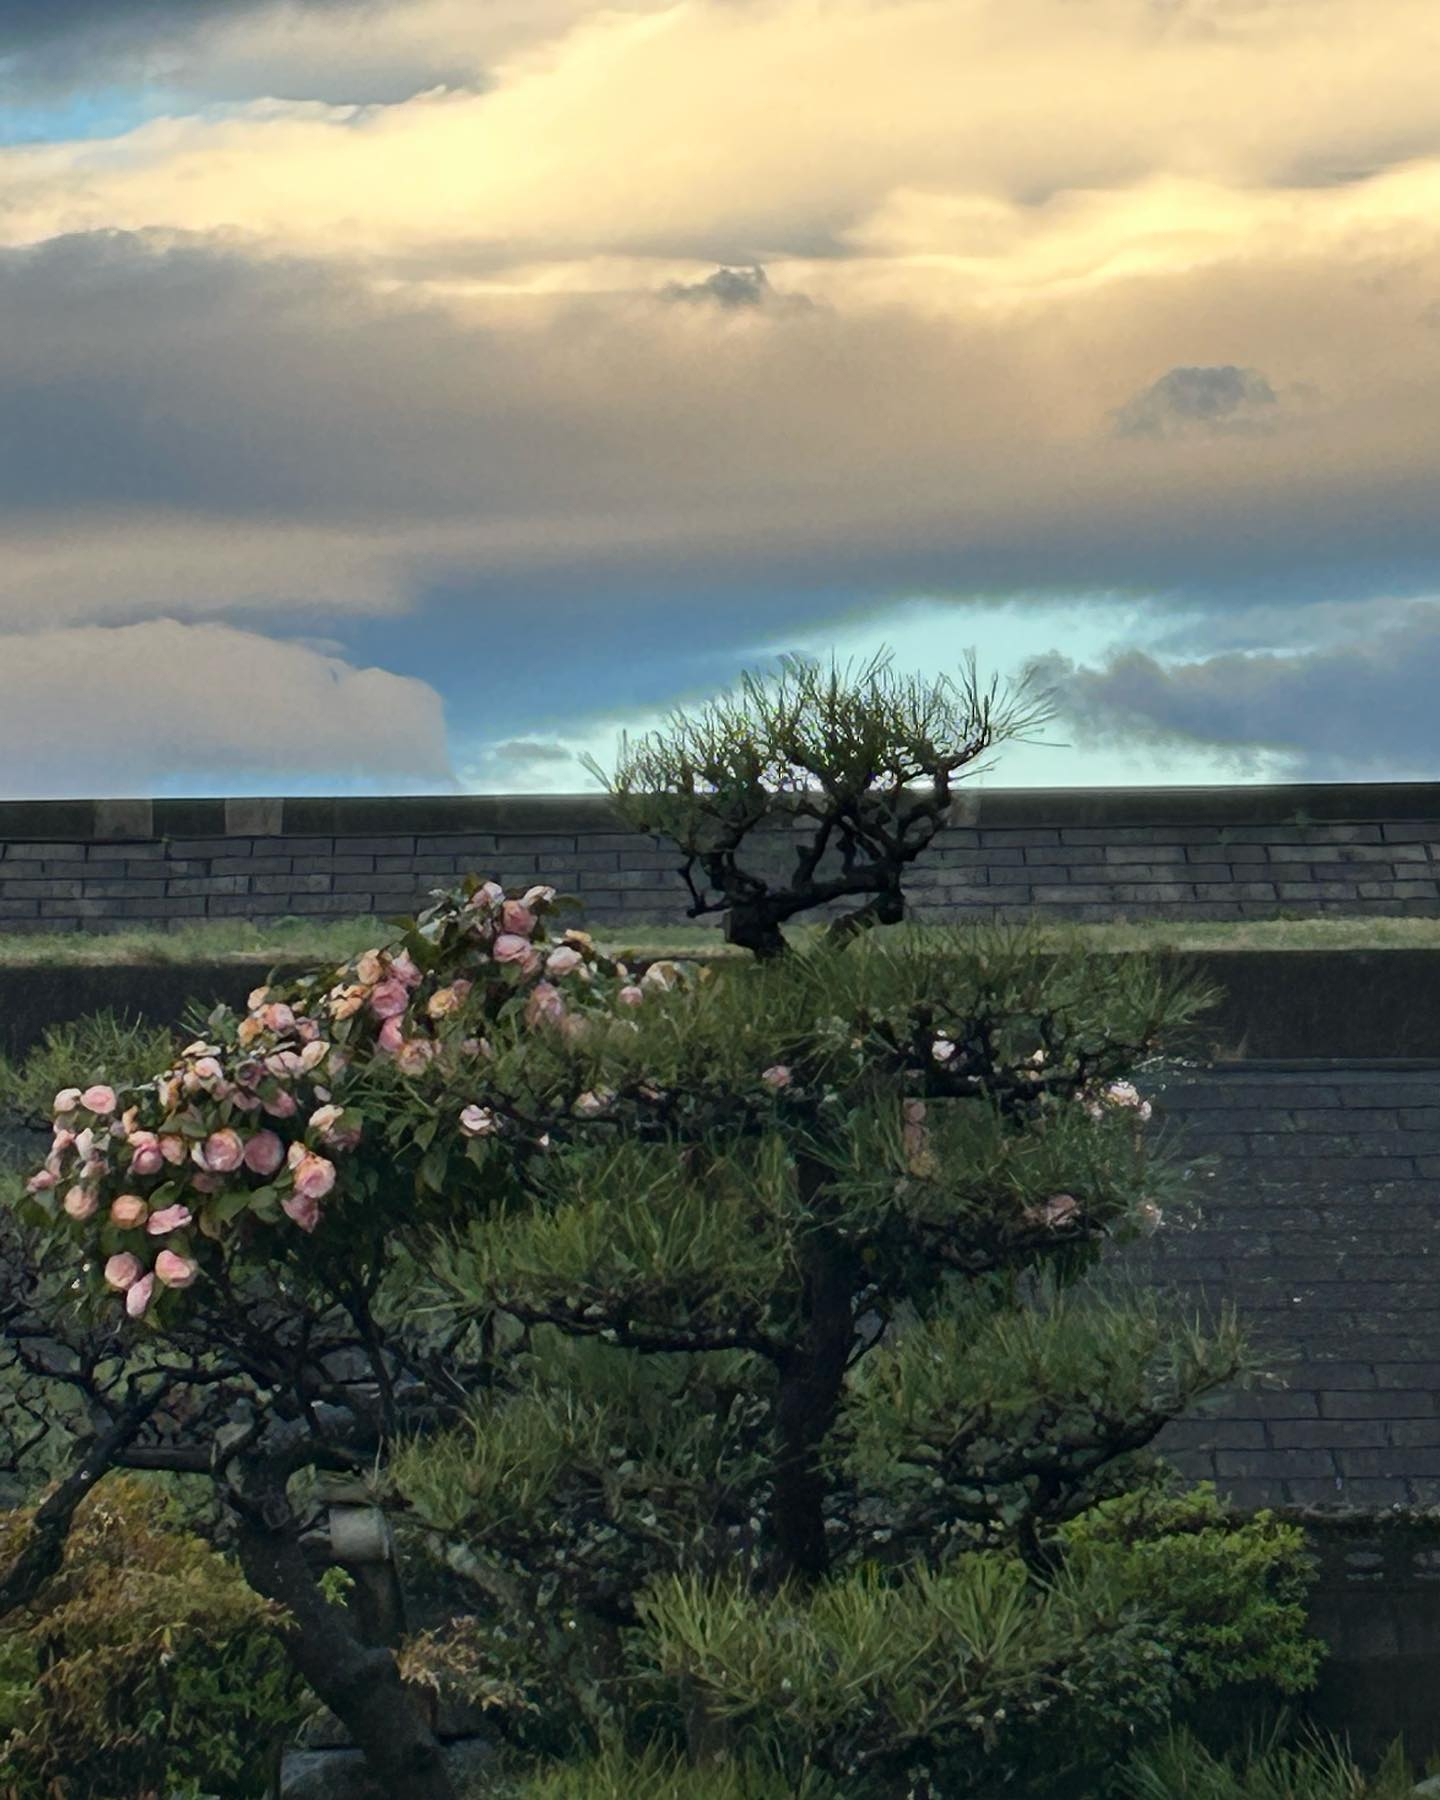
(339,1774)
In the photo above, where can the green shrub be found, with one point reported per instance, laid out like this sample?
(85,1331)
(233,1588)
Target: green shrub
(1181,1768)
(146,1663)
(118,1050)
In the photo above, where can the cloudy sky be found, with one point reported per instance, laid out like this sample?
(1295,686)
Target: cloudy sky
(406,396)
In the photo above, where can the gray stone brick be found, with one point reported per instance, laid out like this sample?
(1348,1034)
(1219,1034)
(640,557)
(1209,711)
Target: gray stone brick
(976,859)
(187,887)
(1273,1465)
(375,884)
(136,850)
(40,890)
(415,865)
(1389,1403)
(1207,873)
(1314,890)
(388,845)
(1136,850)
(1350,1492)
(1399,890)
(1389,1462)
(19,909)
(1328,1434)
(297,884)
(213,846)
(542,845)
(294,846)
(250,865)
(1229,852)
(1023,838)
(1216,1434)
(457,843)
(159,909)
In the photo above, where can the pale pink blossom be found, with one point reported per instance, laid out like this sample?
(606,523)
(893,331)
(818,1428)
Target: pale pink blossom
(545,1003)
(414,1056)
(122,1271)
(222,1151)
(369,968)
(509,947)
(40,1181)
(390,1037)
(516,919)
(535,894)
(172,1148)
(490,891)
(263,1153)
(63,1139)
(942,1050)
(777,1076)
(277,1017)
(172,1270)
(146,1156)
(246,1102)
(99,1099)
(631,995)
(169,1218)
(303,1209)
(590,1104)
(207,1069)
(314,1177)
(346,1002)
(256,999)
(662,975)
(323,1118)
(282,1105)
(403,968)
(389,1000)
(80,1202)
(128,1211)
(1122,1093)
(307,1030)
(94,1168)
(478,1121)
(67,1100)
(137,1295)
(447,1000)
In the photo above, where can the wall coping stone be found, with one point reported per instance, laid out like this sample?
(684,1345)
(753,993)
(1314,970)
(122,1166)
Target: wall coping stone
(409,814)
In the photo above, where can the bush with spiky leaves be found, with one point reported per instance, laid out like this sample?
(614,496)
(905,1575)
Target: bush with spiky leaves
(801,1395)
(847,755)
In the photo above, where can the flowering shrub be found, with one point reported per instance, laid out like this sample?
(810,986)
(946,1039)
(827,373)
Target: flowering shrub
(259,1128)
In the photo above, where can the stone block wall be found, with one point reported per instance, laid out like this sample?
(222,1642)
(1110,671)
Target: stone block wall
(1072,853)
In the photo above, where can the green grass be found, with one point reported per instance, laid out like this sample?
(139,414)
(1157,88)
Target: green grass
(306,940)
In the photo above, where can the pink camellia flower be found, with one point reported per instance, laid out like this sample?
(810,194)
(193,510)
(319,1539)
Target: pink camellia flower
(137,1295)
(303,1209)
(314,1177)
(282,1105)
(246,1102)
(276,1017)
(42,1180)
(256,999)
(510,947)
(175,1271)
(389,1000)
(414,1056)
(172,1148)
(478,1121)
(777,1076)
(85,1144)
(545,1003)
(369,968)
(563,960)
(207,1069)
(80,1202)
(63,1139)
(346,1002)
(167,1091)
(307,1030)
(403,968)
(223,1150)
(146,1156)
(631,996)
(313,1055)
(122,1271)
(94,1168)
(390,1037)
(128,1211)
(247,1031)
(531,895)
(1122,1093)
(323,1118)
(263,1153)
(169,1218)
(67,1100)
(942,1050)
(447,1000)
(55,1163)
(490,891)
(662,975)
(99,1099)
(516,919)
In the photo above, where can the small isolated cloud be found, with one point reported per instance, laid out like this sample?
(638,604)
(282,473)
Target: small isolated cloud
(732,289)
(1361,710)
(162,706)
(516,750)
(1190,402)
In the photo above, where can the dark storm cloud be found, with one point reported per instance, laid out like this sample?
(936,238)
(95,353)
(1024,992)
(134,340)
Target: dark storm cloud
(733,290)
(1188,401)
(1359,710)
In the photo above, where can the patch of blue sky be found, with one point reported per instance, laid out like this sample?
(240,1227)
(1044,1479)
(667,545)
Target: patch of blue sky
(103,113)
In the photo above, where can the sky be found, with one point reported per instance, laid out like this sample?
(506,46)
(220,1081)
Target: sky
(409,398)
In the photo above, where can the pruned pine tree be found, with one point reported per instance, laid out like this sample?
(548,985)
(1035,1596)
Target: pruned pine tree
(769,1494)
(845,754)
